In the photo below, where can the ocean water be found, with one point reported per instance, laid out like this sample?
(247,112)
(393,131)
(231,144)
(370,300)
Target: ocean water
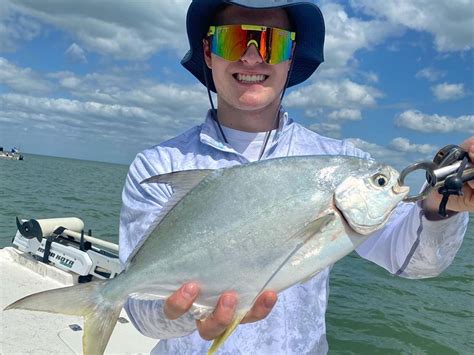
(370,311)
(49,187)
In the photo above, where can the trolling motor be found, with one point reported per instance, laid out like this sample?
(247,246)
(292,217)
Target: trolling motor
(449,170)
(61,242)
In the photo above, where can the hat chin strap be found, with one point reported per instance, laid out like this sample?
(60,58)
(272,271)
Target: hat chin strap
(277,115)
(213,109)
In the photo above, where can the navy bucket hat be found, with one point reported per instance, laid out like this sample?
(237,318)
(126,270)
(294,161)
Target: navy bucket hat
(304,15)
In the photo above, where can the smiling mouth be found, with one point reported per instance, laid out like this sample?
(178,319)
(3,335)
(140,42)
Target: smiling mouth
(250,78)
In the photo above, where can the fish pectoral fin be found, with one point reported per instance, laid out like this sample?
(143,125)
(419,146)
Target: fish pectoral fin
(313,227)
(303,235)
(217,343)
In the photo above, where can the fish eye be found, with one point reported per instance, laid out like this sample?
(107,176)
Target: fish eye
(380,180)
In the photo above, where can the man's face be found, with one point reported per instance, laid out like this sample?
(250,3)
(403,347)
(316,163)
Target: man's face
(248,84)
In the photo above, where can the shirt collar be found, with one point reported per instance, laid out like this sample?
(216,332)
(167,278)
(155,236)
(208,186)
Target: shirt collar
(211,135)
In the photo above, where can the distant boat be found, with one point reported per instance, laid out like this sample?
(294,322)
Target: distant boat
(13,154)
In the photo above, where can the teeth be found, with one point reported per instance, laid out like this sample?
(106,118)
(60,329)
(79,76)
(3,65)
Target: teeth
(256,78)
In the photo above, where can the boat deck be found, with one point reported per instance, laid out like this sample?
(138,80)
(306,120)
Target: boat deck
(29,332)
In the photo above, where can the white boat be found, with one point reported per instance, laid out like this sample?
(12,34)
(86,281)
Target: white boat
(53,253)
(13,154)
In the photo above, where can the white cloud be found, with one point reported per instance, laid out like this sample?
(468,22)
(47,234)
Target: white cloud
(333,94)
(132,90)
(75,119)
(315,112)
(23,80)
(332,130)
(332,102)
(421,122)
(371,77)
(345,35)
(430,74)
(450,22)
(15,28)
(106,105)
(169,98)
(381,153)
(70,82)
(109,107)
(374,149)
(345,114)
(74,108)
(403,145)
(446,92)
(126,29)
(76,53)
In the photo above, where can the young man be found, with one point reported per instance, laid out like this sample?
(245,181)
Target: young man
(249,66)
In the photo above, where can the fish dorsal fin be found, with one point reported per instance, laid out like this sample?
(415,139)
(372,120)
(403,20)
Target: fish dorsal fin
(181,182)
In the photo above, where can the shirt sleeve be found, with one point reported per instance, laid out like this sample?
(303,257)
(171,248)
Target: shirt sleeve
(141,205)
(412,246)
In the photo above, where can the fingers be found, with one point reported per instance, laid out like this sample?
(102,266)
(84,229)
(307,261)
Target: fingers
(261,308)
(470,149)
(180,301)
(468,144)
(220,319)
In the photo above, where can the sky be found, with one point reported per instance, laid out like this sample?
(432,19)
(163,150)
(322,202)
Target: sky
(102,80)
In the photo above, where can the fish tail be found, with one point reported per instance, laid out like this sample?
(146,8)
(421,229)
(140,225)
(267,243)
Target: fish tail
(85,300)
(217,343)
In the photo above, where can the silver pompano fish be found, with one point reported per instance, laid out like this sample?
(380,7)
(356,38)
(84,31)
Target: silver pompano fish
(265,225)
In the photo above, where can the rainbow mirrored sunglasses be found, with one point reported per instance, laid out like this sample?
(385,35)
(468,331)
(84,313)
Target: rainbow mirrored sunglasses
(231,42)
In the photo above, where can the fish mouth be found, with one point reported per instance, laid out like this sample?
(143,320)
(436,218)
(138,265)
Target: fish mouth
(398,189)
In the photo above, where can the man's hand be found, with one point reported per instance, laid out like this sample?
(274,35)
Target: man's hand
(214,325)
(455,203)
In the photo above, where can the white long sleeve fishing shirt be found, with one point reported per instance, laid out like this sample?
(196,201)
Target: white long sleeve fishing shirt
(409,245)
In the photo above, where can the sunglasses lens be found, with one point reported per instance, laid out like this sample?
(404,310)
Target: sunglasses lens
(281,46)
(231,42)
